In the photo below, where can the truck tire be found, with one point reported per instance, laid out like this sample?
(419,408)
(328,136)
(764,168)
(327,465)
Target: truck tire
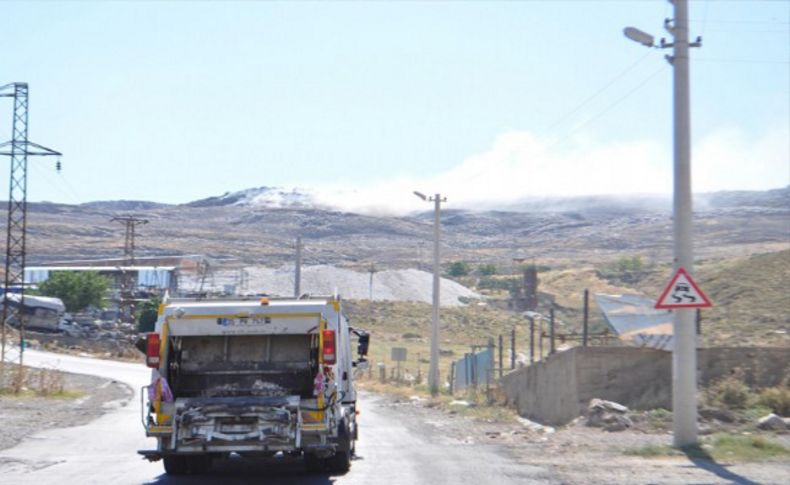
(175,465)
(198,464)
(340,462)
(313,464)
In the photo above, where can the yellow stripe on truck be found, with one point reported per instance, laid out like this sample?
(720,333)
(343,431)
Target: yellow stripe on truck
(162,418)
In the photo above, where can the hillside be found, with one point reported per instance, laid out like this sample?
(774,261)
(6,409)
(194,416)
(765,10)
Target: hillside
(751,307)
(260,227)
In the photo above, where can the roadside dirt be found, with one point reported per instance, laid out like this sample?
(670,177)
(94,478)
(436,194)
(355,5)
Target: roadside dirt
(22,416)
(578,454)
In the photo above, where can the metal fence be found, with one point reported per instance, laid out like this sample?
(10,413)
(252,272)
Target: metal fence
(473,370)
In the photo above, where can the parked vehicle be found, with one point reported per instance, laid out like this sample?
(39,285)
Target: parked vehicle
(41,313)
(253,377)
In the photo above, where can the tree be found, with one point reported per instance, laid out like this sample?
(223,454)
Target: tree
(487,269)
(77,289)
(147,315)
(459,268)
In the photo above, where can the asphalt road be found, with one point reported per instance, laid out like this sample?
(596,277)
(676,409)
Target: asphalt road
(395,447)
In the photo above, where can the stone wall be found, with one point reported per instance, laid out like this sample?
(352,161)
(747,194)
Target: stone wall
(558,389)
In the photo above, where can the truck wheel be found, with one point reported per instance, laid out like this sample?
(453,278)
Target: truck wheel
(175,465)
(340,462)
(313,464)
(198,464)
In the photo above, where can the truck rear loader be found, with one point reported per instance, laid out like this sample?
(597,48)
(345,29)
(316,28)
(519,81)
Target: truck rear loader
(253,378)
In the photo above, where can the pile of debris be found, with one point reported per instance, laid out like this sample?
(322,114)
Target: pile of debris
(89,325)
(608,415)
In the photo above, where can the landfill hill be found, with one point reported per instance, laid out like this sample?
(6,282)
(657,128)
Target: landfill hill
(559,232)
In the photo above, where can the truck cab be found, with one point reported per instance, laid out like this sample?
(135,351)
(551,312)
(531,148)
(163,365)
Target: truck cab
(252,377)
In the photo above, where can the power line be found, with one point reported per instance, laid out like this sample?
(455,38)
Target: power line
(746,61)
(611,106)
(598,92)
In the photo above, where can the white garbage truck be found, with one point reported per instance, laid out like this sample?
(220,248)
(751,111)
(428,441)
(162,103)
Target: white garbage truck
(252,377)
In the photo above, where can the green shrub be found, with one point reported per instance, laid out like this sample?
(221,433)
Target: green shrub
(487,269)
(730,393)
(459,268)
(489,283)
(77,289)
(776,398)
(148,314)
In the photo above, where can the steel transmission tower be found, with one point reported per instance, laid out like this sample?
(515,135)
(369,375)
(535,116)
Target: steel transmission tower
(127,277)
(18,149)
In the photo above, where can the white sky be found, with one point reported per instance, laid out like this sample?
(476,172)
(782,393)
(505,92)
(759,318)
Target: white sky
(364,102)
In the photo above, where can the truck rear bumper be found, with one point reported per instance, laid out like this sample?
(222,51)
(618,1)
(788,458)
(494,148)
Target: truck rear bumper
(248,424)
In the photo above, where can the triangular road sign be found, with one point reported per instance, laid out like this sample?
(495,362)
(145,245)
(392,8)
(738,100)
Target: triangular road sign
(682,292)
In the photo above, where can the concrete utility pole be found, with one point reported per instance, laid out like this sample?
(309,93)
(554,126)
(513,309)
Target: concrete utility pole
(684,356)
(298,269)
(433,369)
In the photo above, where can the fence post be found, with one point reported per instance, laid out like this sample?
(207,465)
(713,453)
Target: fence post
(586,316)
(501,362)
(452,378)
(540,338)
(531,340)
(552,347)
(513,349)
(698,321)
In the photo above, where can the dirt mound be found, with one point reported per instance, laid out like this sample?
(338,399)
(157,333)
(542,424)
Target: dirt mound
(391,285)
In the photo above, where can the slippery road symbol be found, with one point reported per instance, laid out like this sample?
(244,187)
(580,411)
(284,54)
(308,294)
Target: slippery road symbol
(682,292)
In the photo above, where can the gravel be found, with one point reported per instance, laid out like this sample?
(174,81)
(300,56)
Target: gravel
(23,416)
(391,285)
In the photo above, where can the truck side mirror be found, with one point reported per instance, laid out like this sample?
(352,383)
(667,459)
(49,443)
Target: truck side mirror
(364,342)
(141,343)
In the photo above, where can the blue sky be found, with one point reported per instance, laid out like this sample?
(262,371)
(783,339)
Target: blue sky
(363,102)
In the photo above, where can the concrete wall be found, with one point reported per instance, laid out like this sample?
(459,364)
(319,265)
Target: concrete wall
(546,391)
(559,388)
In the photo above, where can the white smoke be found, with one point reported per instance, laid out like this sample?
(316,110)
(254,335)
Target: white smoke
(521,165)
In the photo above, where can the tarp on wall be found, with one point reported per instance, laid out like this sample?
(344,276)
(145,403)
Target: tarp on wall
(635,320)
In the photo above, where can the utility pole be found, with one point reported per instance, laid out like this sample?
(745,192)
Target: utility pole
(684,355)
(586,318)
(18,149)
(127,276)
(371,270)
(298,268)
(433,370)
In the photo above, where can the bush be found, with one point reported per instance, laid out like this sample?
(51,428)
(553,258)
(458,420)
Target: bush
(628,269)
(487,269)
(459,268)
(147,315)
(77,290)
(489,283)
(776,398)
(730,393)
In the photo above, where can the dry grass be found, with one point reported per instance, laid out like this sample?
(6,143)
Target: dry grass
(471,404)
(22,382)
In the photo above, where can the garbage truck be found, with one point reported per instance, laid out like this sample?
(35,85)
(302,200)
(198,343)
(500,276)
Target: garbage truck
(252,377)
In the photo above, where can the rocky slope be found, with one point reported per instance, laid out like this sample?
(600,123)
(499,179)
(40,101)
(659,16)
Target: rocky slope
(259,227)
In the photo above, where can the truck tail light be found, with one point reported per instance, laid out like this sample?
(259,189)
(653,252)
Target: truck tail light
(330,357)
(152,350)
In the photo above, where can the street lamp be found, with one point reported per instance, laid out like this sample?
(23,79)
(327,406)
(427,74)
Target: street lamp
(684,355)
(433,369)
